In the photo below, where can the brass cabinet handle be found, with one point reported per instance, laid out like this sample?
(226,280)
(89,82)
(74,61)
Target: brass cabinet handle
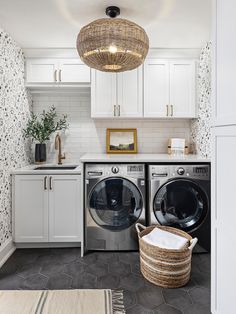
(50,183)
(55,76)
(59,75)
(172,110)
(45,183)
(167,110)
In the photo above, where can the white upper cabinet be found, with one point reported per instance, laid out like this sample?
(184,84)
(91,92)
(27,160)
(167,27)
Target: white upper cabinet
(116,95)
(169,89)
(130,93)
(182,89)
(156,88)
(103,94)
(59,71)
(41,70)
(73,71)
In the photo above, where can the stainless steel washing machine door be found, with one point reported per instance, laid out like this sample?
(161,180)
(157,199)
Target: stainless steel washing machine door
(181,203)
(115,203)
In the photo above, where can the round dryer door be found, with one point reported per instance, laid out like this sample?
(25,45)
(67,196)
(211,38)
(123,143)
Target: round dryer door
(115,203)
(181,204)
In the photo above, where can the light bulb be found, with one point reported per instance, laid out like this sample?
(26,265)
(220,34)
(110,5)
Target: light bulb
(112,49)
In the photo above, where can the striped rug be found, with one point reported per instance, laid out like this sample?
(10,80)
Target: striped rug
(61,302)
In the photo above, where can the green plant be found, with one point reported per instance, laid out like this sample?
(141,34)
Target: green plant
(40,128)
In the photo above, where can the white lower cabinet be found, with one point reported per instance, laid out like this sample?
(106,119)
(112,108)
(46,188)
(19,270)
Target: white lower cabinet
(47,208)
(64,208)
(30,209)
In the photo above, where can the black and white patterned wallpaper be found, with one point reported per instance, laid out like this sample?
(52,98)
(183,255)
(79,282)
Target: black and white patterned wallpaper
(201,127)
(14,112)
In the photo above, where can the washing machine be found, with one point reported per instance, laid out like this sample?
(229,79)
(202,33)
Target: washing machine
(179,196)
(115,201)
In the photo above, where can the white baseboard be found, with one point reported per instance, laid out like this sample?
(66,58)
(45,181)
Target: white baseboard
(6,250)
(46,245)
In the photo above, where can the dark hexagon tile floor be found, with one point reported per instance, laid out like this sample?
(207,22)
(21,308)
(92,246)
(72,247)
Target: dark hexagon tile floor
(65,269)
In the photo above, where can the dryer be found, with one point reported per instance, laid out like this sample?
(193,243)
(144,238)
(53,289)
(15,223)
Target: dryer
(179,196)
(115,201)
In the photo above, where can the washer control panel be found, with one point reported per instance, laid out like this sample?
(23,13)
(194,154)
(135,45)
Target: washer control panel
(105,170)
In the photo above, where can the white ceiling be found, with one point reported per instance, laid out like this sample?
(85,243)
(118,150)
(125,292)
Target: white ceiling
(56,23)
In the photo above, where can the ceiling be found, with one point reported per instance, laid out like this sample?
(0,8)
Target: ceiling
(56,23)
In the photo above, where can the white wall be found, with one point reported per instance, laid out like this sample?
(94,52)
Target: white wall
(86,135)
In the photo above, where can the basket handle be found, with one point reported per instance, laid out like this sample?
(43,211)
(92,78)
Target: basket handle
(138,226)
(193,242)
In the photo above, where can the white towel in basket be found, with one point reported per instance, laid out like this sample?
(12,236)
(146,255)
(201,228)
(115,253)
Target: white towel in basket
(165,239)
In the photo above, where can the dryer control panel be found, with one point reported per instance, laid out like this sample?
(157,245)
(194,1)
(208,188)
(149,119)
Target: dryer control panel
(198,172)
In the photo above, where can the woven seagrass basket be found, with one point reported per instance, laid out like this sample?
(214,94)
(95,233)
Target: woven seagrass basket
(166,268)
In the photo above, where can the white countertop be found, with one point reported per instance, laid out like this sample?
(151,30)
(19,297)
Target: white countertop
(141,158)
(129,158)
(30,169)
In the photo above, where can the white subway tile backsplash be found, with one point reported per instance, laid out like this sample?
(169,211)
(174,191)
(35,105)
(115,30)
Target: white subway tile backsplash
(86,135)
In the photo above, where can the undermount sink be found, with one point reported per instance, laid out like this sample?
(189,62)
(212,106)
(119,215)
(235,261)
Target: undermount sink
(56,168)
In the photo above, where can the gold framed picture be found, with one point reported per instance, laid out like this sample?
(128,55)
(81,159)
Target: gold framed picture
(122,141)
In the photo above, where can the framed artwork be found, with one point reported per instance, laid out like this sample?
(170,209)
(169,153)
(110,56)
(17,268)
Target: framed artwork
(121,141)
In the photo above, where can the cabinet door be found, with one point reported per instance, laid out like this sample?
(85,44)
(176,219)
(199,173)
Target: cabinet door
(130,93)
(30,208)
(225,62)
(41,70)
(223,255)
(103,94)
(64,208)
(182,89)
(73,71)
(156,88)
(223,219)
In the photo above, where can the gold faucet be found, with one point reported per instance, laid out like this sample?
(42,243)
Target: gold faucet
(58,146)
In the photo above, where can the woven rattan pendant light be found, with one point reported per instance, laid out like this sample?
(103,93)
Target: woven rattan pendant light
(112,44)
